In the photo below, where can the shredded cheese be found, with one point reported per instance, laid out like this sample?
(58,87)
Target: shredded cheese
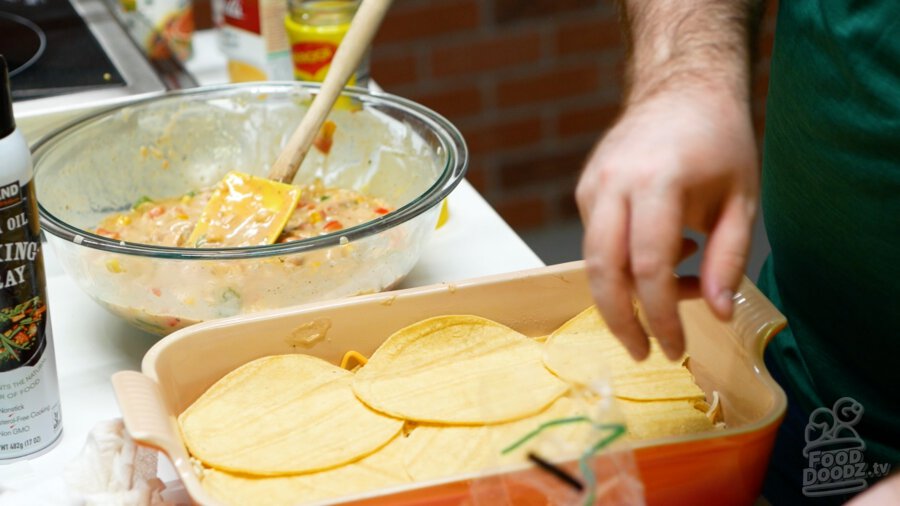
(353,355)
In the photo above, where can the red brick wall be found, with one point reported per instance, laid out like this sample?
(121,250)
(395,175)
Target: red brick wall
(532,84)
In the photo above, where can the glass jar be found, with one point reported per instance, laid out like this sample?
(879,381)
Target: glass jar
(315,29)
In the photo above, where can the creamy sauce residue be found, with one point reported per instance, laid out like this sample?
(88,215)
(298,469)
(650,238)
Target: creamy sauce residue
(309,333)
(169,222)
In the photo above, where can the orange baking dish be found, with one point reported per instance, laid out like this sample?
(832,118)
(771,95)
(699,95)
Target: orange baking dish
(722,467)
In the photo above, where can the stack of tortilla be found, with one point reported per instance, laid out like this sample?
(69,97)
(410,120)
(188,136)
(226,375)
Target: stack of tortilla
(445,396)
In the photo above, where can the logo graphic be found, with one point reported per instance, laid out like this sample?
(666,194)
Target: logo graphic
(233,9)
(835,451)
(310,57)
(10,194)
(242,14)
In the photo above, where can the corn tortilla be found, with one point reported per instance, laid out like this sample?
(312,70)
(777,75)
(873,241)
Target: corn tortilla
(283,414)
(655,419)
(458,370)
(436,451)
(584,351)
(381,469)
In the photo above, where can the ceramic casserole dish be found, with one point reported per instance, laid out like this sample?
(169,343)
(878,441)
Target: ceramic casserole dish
(721,467)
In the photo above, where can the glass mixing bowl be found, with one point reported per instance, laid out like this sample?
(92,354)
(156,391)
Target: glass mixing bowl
(384,146)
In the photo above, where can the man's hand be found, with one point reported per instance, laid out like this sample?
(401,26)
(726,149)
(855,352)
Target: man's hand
(680,158)
(682,155)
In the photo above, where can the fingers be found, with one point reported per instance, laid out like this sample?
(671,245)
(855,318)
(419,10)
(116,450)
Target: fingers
(656,244)
(606,257)
(726,256)
(612,278)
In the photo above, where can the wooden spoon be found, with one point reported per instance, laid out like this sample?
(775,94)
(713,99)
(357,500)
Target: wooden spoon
(249,210)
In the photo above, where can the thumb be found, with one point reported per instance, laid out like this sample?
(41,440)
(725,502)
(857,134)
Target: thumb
(726,256)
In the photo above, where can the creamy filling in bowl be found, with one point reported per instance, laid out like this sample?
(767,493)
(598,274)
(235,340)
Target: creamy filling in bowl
(396,159)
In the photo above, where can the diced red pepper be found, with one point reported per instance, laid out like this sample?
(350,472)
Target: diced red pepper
(156,291)
(382,210)
(156,212)
(333,225)
(325,137)
(107,233)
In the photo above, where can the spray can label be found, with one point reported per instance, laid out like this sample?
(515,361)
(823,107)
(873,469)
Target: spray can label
(30,418)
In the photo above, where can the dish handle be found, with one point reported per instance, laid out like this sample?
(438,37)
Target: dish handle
(147,418)
(756,320)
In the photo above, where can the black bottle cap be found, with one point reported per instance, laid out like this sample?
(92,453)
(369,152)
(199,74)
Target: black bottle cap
(7,122)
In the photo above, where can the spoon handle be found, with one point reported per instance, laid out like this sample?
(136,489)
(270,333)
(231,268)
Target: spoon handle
(346,59)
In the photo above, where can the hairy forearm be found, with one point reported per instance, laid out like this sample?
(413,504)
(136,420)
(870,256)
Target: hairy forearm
(689,44)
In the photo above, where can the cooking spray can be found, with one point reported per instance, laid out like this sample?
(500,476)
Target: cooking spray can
(30,418)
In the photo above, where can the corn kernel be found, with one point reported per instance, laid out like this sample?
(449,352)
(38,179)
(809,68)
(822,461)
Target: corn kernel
(113,266)
(123,219)
(315,217)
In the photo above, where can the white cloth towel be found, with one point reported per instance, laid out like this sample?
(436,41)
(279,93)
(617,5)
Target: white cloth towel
(111,470)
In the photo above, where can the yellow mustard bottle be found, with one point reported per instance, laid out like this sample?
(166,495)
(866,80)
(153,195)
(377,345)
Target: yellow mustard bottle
(315,28)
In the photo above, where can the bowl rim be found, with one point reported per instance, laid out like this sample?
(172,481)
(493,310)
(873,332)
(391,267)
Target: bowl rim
(453,172)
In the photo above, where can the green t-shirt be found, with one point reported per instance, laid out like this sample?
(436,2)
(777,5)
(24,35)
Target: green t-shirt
(831,201)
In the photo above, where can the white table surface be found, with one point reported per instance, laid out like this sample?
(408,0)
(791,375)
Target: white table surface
(92,344)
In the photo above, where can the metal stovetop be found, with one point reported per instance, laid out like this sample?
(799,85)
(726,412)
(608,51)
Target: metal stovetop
(81,59)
